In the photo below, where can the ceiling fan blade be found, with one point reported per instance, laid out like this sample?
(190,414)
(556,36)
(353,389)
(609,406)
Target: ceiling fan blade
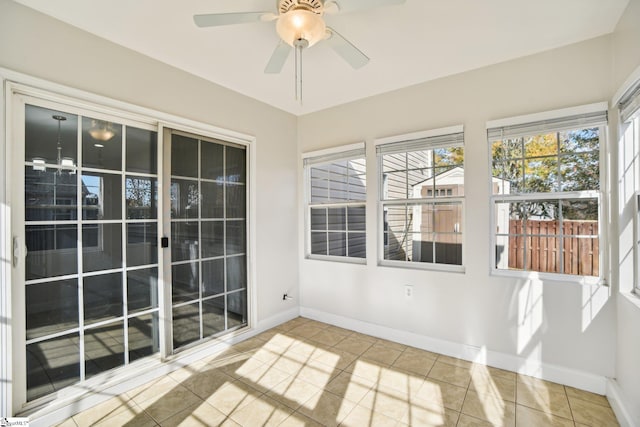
(346,50)
(353,5)
(218,19)
(278,58)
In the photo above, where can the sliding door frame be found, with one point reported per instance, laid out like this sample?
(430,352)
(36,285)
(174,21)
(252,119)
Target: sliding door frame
(12,309)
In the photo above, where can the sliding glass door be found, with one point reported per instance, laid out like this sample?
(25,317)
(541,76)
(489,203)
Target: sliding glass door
(87,225)
(208,234)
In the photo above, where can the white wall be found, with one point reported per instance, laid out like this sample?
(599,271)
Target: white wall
(560,324)
(626,59)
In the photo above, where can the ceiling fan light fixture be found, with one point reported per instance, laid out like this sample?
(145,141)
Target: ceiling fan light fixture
(301,24)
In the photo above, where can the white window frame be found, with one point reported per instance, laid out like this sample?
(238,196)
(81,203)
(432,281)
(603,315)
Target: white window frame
(327,156)
(628,102)
(452,132)
(550,118)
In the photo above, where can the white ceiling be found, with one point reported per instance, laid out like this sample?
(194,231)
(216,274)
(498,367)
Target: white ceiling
(408,44)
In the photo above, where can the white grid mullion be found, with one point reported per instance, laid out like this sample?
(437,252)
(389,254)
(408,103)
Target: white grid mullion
(123,218)
(199,260)
(80,252)
(224,234)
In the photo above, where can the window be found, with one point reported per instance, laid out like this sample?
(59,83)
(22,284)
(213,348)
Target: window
(545,185)
(336,194)
(422,198)
(628,164)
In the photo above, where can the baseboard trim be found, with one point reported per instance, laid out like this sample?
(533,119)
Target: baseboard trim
(61,409)
(621,406)
(535,368)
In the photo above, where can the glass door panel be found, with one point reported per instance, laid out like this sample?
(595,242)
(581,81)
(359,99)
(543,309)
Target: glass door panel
(209,242)
(90,227)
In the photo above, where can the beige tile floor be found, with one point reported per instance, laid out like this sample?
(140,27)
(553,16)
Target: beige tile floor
(306,373)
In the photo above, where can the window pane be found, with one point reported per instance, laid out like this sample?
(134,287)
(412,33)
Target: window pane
(394,162)
(337,219)
(541,175)
(448,249)
(421,159)
(395,247)
(213,316)
(318,219)
(449,181)
(236,240)
(212,200)
(319,178)
(50,196)
(450,156)
(186,325)
(236,273)
(395,219)
(142,244)
(142,150)
(357,186)
(101,196)
(580,172)
(583,212)
(236,201)
(102,297)
(236,165)
(42,138)
(578,141)
(506,254)
(509,176)
(185,199)
(213,277)
(142,289)
(51,307)
(52,365)
(237,309)
(101,247)
(508,149)
(141,197)
(101,144)
(357,246)
(319,243)
(337,244)
(51,250)
(212,239)
(143,336)
(396,185)
(185,282)
(212,161)
(422,246)
(581,256)
(184,241)
(184,156)
(356,218)
(103,348)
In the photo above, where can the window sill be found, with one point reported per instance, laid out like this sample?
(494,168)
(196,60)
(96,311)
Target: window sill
(341,259)
(551,277)
(446,268)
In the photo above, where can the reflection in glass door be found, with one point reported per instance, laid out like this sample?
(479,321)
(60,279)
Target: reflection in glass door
(208,238)
(90,227)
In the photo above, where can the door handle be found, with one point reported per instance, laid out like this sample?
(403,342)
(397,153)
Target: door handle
(17,251)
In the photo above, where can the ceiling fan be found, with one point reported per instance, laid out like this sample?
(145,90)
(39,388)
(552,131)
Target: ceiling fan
(300,24)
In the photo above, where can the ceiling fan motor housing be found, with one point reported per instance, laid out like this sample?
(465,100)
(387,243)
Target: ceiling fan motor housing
(315,6)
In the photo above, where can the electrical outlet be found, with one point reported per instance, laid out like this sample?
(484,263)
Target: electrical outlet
(408,291)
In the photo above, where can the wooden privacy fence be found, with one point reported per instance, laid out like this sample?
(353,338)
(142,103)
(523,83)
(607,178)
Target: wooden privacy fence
(538,247)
